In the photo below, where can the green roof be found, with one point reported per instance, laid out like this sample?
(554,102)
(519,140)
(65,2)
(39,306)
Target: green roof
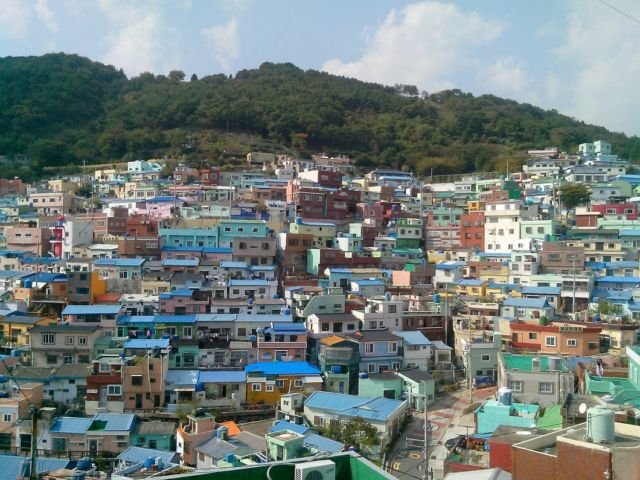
(524,363)
(349,466)
(551,419)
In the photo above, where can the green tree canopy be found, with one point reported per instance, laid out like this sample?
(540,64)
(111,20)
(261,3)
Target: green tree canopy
(574,194)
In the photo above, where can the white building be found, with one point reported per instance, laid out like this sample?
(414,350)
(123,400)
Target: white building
(502,224)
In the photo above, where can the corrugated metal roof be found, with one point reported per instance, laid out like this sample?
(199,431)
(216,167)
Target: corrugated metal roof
(135,455)
(116,421)
(222,376)
(147,343)
(12,466)
(322,444)
(71,425)
(379,408)
(414,337)
(283,368)
(119,262)
(248,283)
(175,262)
(525,302)
(281,425)
(182,377)
(110,309)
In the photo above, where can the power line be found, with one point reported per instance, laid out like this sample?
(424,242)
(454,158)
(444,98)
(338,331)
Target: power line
(621,12)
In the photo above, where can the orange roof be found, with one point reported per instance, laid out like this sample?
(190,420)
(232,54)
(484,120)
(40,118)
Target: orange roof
(232,428)
(108,298)
(332,340)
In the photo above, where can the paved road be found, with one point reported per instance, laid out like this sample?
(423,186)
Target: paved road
(446,419)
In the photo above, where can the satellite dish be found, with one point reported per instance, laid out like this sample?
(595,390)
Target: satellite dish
(582,408)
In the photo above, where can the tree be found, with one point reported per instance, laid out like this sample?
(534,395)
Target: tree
(356,432)
(574,194)
(194,78)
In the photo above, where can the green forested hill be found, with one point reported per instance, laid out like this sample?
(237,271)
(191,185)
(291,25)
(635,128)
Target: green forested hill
(63,109)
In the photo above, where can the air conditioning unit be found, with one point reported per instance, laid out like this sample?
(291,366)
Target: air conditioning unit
(320,470)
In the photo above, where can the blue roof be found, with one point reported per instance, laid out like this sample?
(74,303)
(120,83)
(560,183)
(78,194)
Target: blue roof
(13,466)
(135,455)
(316,224)
(471,282)
(281,425)
(616,279)
(379,408)
(525,302)
(40,260)
(184,292)
(71,425)
(288,327)
(147,343)
(449,265)
(116,421)
(46,277)
(222,376)
(322,444)
(541,290)
(181,249)
(119,262)
(629,233)
(102,309)
(413,338)
(175,262)
(283,368)
(217,250)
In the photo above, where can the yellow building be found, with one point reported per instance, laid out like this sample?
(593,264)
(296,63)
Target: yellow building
(267,381)
(472,288)
(15,330)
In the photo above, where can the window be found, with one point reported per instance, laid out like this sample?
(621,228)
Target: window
(515,385)
(67,359)
(368,348)
(533,336)
(268,388)
(256,387)
(242,332)
(48,338)
(392,308)
(393,347)
(187,332)
(550,341)
(372,368)
(136,380)
(82,340)
(68,340)
(52,359)
(545,387)
(572,342)
(485,358)
(7,417)
(298,383)
(280,384)
(114,390)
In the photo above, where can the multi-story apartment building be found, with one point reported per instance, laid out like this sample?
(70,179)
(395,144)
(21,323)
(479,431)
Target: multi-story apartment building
(472,230)
(55,345)
(502,224)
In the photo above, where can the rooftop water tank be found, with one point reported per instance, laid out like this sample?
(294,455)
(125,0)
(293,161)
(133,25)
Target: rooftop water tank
(149,462)
(505,396)
(601,425)
(436,298)
(229,458)
(221,433)
(84,464)
(363,375)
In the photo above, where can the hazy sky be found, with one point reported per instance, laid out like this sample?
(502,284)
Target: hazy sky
(581,57)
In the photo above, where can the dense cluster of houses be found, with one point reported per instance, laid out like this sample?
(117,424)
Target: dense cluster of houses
(299,286)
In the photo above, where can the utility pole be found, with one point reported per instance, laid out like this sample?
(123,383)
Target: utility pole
(33,474)
(426,439)
(573,302)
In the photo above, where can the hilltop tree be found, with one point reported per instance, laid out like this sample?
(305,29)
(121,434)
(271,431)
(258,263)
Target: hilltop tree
(574,194)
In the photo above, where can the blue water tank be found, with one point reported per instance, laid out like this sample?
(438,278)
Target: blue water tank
(4,394)
(298,220)
(253,338)
(336,369)
(15,353)
(3,379)
(436,298)
(505,396)
(28,283)
(149,462)
(84,464)
(229,458)
(363,375)
(221,433)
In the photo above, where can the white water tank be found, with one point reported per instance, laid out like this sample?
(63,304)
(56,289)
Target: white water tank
(601,427)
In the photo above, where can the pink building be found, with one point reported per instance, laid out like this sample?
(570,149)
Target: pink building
(185,302)
(282,341)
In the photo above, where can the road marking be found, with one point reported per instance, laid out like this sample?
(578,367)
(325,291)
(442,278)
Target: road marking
(415,455)
(396,465)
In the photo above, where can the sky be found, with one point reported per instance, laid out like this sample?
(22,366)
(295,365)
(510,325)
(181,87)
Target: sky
(580,57)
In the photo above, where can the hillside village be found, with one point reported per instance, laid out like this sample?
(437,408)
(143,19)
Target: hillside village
(147,324)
